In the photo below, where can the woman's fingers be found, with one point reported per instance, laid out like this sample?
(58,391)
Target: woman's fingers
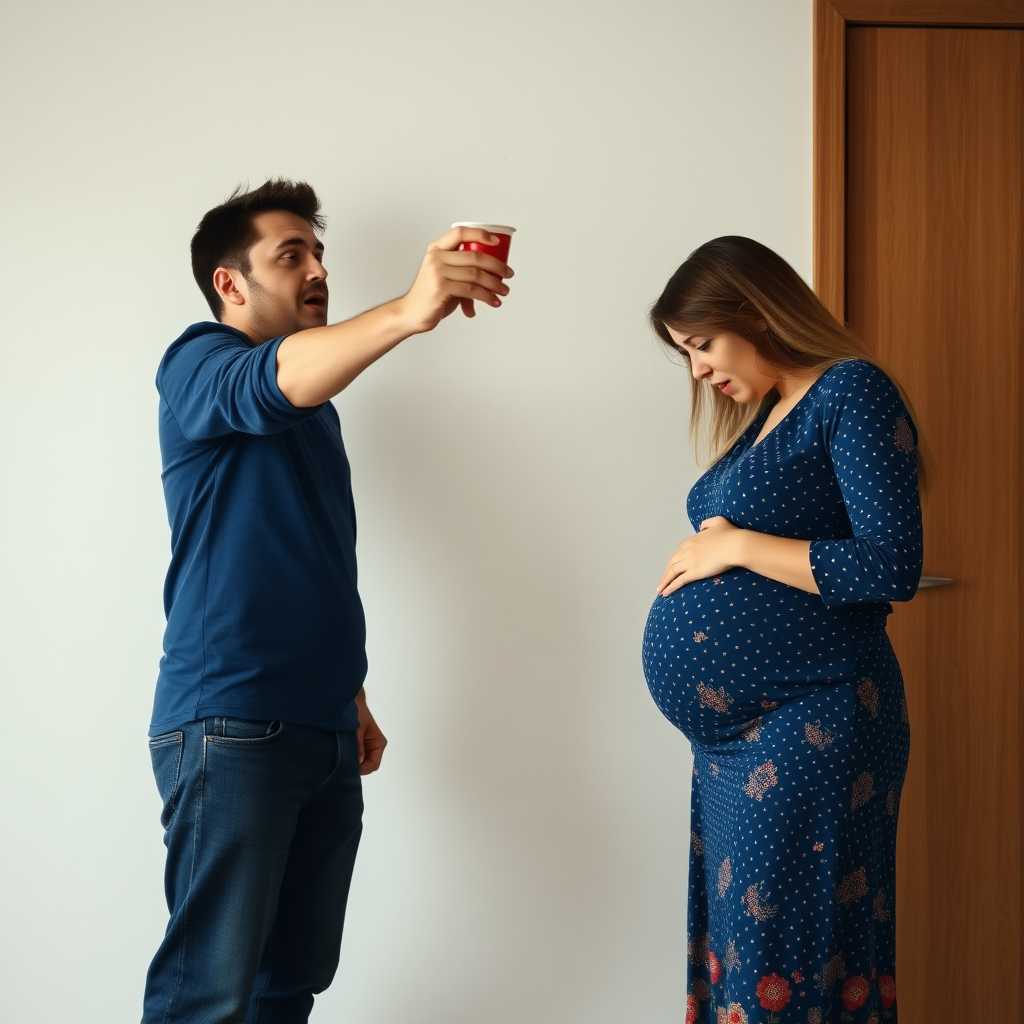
(673,572)
(673,586)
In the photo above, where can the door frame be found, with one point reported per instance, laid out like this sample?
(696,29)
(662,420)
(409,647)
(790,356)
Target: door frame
(829,177)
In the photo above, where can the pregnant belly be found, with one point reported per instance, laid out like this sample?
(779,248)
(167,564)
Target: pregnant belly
(721,652)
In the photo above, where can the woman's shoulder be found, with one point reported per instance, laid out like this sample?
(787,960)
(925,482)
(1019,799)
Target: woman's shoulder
(854,371)
(854,379)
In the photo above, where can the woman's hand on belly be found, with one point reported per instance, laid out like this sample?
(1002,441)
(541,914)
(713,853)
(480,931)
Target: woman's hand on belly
(709,553)
(721,546)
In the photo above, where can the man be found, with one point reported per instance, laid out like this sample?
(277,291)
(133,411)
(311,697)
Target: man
(260,727)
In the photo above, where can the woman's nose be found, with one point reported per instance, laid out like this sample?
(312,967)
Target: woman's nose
(698,367)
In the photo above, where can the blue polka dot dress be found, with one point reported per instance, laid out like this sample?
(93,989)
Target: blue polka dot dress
(794,705)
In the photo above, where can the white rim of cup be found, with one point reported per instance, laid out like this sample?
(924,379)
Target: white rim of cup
(502,229)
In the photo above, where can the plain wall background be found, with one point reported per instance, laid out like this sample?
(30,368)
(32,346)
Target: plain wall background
(520,479)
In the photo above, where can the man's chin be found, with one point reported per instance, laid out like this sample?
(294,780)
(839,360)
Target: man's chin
(313,317)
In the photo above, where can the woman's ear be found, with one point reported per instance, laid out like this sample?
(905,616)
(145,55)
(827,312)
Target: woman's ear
(761,327)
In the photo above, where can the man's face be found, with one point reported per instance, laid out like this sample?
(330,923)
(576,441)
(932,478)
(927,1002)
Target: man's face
(286,287)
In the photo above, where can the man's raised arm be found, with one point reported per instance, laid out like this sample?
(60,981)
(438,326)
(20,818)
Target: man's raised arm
(316,364)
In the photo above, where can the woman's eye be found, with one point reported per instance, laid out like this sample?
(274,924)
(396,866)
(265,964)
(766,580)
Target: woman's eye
(705,346)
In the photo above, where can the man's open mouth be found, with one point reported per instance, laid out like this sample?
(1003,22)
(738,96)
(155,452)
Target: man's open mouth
(319,301)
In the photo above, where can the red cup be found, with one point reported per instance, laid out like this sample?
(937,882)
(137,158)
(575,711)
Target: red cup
(503,231)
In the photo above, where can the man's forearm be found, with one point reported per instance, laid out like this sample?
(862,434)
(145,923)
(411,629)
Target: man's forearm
(315,365)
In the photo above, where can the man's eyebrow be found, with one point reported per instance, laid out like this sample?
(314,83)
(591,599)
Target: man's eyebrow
(300,241)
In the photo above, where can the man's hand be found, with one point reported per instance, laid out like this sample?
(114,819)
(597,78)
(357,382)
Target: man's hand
(448,278)
(371,740)
(708,553)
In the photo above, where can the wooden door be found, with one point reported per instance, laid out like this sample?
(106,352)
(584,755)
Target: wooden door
(934,281)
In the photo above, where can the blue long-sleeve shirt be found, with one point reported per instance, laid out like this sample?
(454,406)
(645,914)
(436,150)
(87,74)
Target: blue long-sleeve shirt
(263,617)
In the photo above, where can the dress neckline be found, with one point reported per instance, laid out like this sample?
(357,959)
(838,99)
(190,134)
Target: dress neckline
(759,421)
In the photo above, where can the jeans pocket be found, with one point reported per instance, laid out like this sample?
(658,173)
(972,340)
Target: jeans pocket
(241,730)
(165,753)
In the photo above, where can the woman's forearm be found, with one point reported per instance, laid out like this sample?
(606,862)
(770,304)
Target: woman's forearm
(778,558)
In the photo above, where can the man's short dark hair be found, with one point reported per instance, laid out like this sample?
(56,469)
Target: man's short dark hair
(227,233)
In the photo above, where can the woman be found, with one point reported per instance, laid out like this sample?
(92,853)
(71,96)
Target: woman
(767,647)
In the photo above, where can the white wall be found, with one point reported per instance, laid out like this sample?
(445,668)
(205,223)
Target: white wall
(520,478)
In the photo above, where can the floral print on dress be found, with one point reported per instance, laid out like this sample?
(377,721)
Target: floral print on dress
(863,790)
(904,436)
(856,990)
(880,906)
(762,778)
(692,1009)
(887,990)
(724,878)
(714,967)
(716,700)
(731,958)
(867,694)
(834,970)
(759,911)
(816,735)
(854,887)
(774,994)
(698,948)
(751,732)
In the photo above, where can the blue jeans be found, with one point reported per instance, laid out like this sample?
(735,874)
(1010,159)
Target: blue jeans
(262,821)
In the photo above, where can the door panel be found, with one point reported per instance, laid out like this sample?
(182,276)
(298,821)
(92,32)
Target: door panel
(934,265)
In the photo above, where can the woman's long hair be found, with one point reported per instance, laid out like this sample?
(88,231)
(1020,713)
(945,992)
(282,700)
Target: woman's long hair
(728,285)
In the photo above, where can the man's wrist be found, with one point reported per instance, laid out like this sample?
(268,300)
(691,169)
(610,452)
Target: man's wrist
(397,316)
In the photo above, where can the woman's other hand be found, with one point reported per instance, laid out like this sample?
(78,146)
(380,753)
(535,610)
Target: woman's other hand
(708,553)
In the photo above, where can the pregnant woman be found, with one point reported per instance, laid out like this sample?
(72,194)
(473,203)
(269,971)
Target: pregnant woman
(767,647)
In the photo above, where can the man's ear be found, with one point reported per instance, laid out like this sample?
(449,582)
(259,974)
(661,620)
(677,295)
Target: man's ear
(230,285)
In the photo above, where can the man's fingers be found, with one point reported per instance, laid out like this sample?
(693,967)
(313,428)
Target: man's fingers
(466,290)
(370,758)
(454,238)
(478,276)
(468,258)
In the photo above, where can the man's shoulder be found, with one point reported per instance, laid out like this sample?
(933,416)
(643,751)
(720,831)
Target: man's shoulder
(197,341)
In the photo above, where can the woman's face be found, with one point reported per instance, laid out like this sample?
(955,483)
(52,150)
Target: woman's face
(729,363)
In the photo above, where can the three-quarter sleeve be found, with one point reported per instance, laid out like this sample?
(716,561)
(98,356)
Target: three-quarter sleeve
(873,446)
(216,383)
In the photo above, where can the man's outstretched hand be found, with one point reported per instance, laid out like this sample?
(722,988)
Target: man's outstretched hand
(449,278)
(371,740)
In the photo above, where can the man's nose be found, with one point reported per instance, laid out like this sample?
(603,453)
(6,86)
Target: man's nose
(316,271)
